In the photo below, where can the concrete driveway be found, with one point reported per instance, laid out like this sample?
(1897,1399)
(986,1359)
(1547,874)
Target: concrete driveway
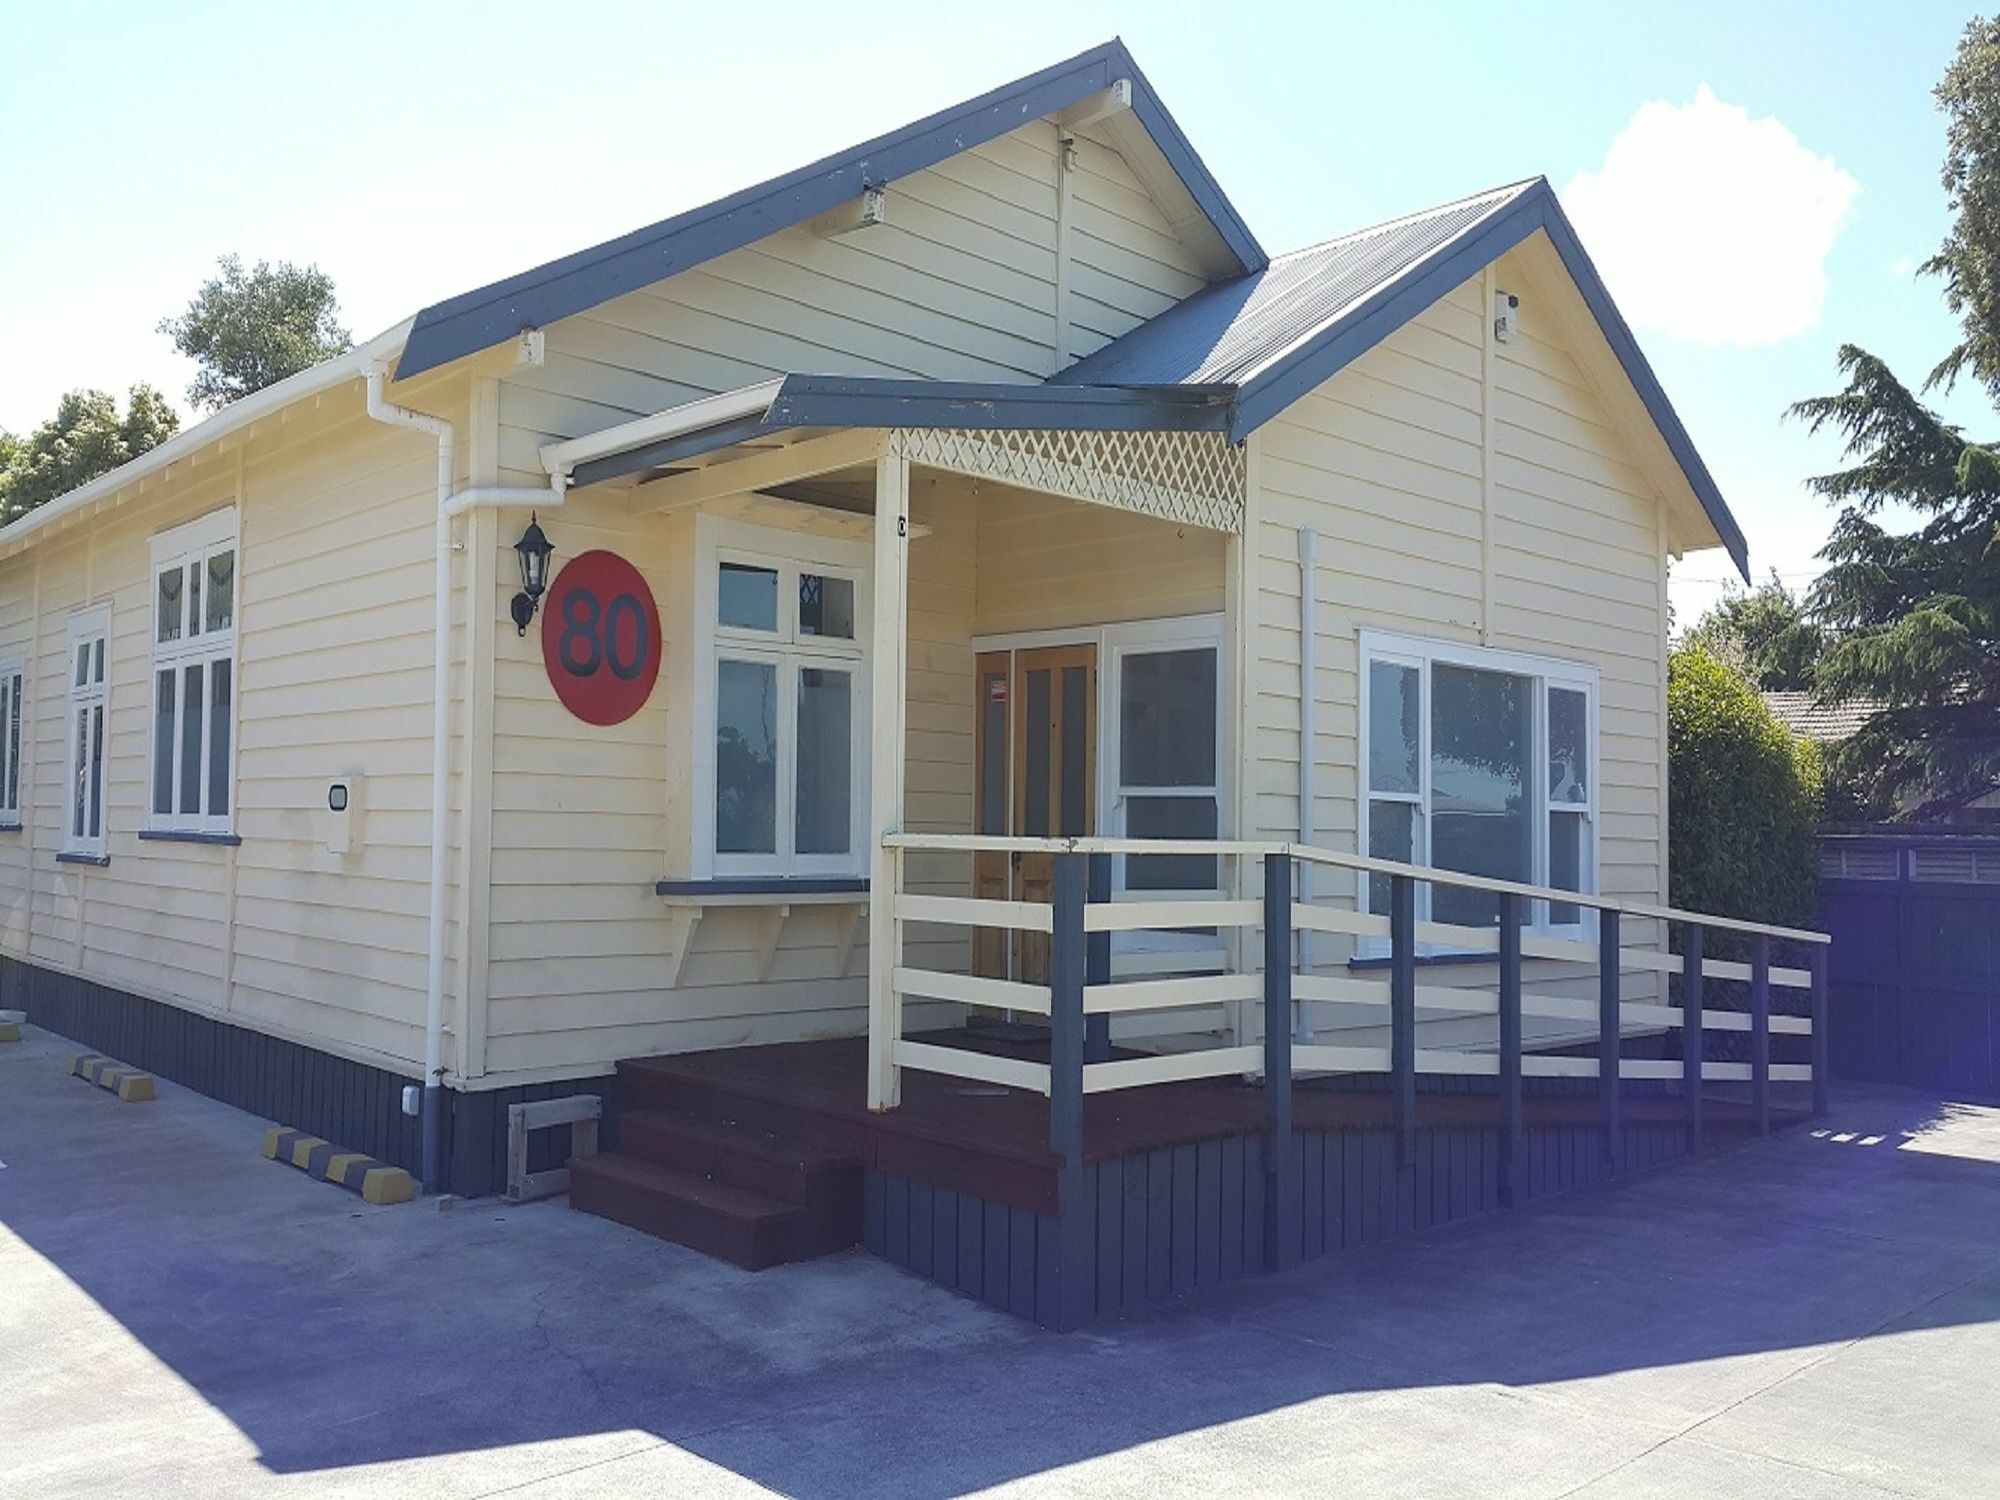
(1816,1315)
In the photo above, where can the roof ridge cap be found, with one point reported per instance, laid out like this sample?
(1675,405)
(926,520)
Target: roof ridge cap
(1503,191)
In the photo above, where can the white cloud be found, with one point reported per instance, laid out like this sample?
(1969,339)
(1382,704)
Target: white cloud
(1902,268)
(1711,226)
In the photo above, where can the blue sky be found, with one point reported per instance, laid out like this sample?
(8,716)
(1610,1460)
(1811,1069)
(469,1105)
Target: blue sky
(415,151)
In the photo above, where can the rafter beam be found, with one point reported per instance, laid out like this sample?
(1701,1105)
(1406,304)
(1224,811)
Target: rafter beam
(761,470)
(1099,106)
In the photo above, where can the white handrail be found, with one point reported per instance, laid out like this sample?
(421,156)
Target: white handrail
(1256,848)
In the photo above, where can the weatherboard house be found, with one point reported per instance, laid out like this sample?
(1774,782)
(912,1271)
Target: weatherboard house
(978,711)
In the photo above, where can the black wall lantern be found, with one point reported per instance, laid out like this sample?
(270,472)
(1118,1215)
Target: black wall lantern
(534,550)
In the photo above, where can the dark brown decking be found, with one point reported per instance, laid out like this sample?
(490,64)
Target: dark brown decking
(993,1141)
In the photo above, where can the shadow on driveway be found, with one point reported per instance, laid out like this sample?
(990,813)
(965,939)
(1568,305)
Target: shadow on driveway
(1814,1313)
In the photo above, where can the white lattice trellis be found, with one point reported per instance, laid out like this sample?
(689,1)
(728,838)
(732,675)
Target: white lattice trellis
(1189,478)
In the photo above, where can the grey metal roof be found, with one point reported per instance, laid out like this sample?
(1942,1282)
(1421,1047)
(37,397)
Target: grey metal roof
(1232,332)
(495,313)
(1281,332)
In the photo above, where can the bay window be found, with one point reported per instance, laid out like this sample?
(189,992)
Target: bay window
(194,676)
(781,702)
(1482,762)
(83,803)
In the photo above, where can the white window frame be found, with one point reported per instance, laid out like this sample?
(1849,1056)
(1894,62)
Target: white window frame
(187,547)
(1116,643)
(720,540)
(89,632)
(1546,673)
(13,684)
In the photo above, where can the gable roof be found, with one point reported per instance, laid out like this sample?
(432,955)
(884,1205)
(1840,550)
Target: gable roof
(1277,333)
(493,314)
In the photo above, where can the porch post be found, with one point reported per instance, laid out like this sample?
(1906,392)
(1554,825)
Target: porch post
(886,678)
(1691,1037)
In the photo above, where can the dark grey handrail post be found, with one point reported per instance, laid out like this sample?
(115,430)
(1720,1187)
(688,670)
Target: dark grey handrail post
(1075,1283)
(1816,963)
(1511,1142)
(1403,1013)
(1610,1029)
(1691,1039)
(1760,1033)
(1066,965)
(1097,961)
(1282,1205)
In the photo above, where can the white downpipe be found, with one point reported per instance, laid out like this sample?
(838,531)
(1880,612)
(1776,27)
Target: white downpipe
(1308,730)
(448,506)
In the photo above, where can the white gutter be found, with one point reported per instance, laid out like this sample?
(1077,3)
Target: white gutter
(449,504)
(322,377)
(748,401)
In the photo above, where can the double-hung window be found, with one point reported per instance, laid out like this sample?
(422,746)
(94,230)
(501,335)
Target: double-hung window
(83,806)
(782,702)
(193,617)
(1479,761)
(11,708)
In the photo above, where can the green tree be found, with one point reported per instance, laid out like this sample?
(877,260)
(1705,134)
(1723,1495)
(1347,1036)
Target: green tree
(1745,798)
(249,329)
(1913,616)
(1767,634)
(84,439)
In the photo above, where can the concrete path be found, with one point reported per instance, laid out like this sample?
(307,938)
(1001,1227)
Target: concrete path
(1814,1316)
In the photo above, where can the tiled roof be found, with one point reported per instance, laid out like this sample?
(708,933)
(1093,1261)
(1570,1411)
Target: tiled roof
(1825,722)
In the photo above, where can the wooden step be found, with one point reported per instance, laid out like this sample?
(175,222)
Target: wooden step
(824,1179)
(745,1228)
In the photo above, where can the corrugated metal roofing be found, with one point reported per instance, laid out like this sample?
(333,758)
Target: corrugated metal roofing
(1234,330)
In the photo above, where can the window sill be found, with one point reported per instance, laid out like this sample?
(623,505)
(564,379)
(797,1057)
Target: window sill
(188,836)
(74,857)
(723,891)
(11,825)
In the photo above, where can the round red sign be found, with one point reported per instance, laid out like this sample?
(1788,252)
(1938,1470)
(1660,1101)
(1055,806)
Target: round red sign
(601,638)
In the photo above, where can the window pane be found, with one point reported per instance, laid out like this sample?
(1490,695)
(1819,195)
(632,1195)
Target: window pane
(220,688)
(169,604)
(1392,830)
(1393,704)
(1569,751)
(79,807)
(82,663)
(163,741)
(992,812)
(97,660)
(823,818)
(1166,718)
(191,743)
(1034,811)
(746,758)
(1073,817)
(826,606)
(194,598)
(1170,818)
(748,597)
(14,750)
(1566,863)
(97,767)
(221,611)
(1481,728)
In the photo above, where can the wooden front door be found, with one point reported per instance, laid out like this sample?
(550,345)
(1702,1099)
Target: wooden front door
(1036,767)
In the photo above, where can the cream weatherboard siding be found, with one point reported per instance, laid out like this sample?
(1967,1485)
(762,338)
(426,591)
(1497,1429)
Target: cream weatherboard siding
(1387,462)
(960,284)
(332,680)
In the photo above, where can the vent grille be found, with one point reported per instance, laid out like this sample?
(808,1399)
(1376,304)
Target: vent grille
(1858,862)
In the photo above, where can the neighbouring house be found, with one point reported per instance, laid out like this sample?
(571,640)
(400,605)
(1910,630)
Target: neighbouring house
(695,661)
(1832,723)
